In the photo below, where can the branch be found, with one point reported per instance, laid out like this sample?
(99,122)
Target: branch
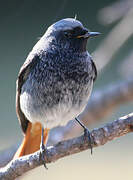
(114,11)
(127,64)
(99,136)
(114,40)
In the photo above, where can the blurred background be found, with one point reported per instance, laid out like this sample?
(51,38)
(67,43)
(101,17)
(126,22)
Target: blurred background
(21,25)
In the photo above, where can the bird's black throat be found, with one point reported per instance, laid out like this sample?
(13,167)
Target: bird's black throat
(72,44)
(78,45)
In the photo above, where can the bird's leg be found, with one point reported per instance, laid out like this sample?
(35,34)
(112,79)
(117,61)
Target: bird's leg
(86,133)
(43,149)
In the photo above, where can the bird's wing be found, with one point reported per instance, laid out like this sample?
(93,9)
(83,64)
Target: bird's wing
(94,70)
(26,68)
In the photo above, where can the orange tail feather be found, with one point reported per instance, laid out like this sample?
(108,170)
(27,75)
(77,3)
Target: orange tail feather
(32,139)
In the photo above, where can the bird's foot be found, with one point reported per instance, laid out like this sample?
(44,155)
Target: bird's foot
(87,134)
(43,154)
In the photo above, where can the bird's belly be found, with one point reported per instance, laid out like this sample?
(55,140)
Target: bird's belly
(57,116)
(57,113)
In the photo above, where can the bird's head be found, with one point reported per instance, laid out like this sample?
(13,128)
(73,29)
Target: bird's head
(70,34)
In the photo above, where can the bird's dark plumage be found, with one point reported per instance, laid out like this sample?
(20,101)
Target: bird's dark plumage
(55,82)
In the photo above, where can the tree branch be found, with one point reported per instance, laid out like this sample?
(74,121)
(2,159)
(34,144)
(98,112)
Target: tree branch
(114,11)
(99,136)
(127,64)
(114,40)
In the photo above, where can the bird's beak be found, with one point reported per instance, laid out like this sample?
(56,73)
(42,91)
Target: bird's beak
(89,34)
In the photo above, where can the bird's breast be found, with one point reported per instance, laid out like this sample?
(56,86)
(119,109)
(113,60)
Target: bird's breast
(55,97)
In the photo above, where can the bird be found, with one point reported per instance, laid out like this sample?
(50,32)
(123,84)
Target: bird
(54,83)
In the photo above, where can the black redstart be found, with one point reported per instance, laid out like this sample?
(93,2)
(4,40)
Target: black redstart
(54,83)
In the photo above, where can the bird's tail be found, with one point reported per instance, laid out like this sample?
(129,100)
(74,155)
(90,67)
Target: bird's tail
(32,139)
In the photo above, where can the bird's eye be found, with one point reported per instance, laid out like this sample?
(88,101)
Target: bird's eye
(67,33)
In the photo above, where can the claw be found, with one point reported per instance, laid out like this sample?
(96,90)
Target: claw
(86,133)
(43,150)
(42,155)
(88,136)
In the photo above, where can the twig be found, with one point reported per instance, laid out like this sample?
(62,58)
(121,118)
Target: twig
(115,39)
(99,136)
(114,11)
(127,64)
